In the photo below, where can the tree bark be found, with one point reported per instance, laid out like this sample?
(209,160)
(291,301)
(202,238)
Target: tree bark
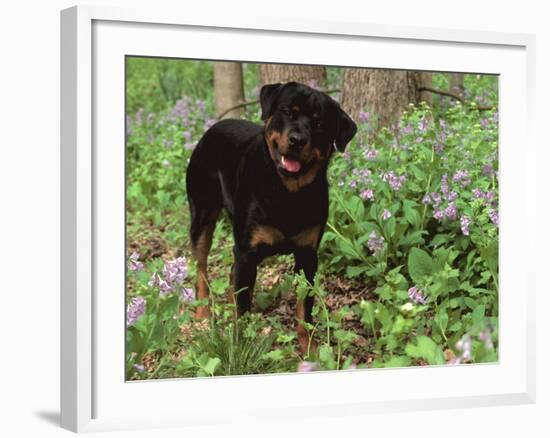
(456,83)
(384,93)
(306,74)
(228,88)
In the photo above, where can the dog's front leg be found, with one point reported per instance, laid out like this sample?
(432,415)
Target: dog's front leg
(244,277)
(305,259)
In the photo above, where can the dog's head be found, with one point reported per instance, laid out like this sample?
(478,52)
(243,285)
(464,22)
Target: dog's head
(302,127)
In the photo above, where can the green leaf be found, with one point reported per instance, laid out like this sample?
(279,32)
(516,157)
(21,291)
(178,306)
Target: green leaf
(420,265)
(264,300)
(211,365)
(397,361)
(326,357)
(478,315)
(442,320)
(354,271)
(426,349)
(389,228)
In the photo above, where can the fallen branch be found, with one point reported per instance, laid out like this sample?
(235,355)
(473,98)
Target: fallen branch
(454,96)
(254,102)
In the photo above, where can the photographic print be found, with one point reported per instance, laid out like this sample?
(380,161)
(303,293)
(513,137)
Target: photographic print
(293,218)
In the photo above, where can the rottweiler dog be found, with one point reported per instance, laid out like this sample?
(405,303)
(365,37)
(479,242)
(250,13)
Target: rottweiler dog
(272,182)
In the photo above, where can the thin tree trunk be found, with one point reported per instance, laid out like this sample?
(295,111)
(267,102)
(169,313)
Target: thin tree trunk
(228,88)
(305,74)
(456,83)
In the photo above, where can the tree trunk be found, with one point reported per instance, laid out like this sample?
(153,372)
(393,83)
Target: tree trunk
(383,93)
(313,76)
(228,88)
(456,83)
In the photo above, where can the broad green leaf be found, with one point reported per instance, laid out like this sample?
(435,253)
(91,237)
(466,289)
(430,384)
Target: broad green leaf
(425,348)
(420,265)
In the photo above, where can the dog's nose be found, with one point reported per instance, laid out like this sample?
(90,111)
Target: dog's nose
(296,140)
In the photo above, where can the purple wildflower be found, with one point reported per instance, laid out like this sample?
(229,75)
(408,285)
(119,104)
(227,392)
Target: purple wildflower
(187,294)
(150,118)
(452,196)
(478,194)
(341,183)
(386,214)
(367,194)
(167,143)
(436,198)
(462,177)
(493,215)
(438,214)
(173,274)
(133,263)
(306,367)
(189,146)
(416,295)
(487,170)
(201,105)
(175,270)
(465,225)
(209,123)
(134,310)
(181,109)
(140,368)
(364,116)
(375,243)
(444,184)
(393,180)
(353,184)
(423,125)
(426,199)
(450,211)
(464,346)
(485,337)
(371,154)
(407,129)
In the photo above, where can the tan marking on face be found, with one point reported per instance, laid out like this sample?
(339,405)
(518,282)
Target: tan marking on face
(296,108)
(277,144)
(295,183)
(315,115)
(308,237)
(264,234)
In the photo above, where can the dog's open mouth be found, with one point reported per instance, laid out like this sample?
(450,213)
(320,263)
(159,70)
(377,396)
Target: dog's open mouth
(290,164)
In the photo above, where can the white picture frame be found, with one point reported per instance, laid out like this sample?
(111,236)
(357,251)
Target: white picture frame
(94,395)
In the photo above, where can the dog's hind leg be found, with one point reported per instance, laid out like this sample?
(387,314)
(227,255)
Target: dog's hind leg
(205,203)
(203,224)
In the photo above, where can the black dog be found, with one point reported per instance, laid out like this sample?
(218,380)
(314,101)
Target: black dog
(272,182)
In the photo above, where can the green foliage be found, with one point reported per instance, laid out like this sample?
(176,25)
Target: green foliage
(413,219)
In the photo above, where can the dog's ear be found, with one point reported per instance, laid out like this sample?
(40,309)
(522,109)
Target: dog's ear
(345,130)
(268,97)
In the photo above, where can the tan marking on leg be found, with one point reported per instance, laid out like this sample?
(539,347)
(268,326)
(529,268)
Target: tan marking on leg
(264,234)
(200,253)
(304,341)
(308,237)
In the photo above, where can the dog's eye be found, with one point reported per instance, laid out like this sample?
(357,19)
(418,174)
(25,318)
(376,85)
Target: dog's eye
(317,124)
(286,111)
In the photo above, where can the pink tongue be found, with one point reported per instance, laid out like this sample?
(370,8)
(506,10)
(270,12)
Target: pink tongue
(291,165)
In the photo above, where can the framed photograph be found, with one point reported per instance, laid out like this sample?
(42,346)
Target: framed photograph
(266,231)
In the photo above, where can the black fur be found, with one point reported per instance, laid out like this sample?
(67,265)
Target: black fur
(232,168)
